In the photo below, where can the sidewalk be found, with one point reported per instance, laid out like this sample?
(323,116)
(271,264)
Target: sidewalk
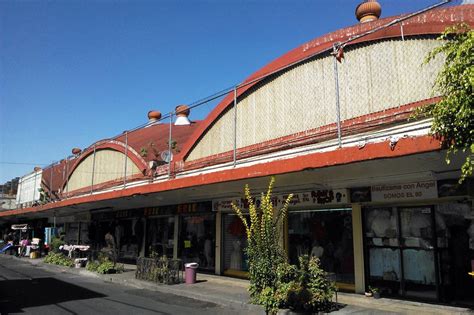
(233,293)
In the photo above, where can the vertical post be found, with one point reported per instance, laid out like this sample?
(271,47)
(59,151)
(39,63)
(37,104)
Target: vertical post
(143,244)
(67,176)
(51,183)
(125,158)
(338,109)
(169,146)
(78,232)
(401,31)
(358,247)
(176,237)
(18,191)
(93,170)
(235,125)
(34,187)
(218,248)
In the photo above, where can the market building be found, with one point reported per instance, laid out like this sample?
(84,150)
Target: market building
(374,198)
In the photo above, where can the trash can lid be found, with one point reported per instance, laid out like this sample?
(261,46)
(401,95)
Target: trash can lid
(191,265)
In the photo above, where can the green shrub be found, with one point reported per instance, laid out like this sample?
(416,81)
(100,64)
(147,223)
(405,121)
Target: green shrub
(92,266)
(106,267)
(304,288)
(56,243)
(58,259)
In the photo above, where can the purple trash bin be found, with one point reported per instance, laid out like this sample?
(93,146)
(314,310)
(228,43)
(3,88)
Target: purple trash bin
(190,272)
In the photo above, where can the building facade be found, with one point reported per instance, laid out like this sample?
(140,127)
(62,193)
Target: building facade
(374,198)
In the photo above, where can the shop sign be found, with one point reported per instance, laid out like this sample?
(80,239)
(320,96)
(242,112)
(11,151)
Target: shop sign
(61,220)
(122,214)
(82,217)
(317,197)
(185,208)
(225,204)
(321,197)
(407,191)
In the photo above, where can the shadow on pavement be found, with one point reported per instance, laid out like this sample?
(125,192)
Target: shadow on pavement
(15,295)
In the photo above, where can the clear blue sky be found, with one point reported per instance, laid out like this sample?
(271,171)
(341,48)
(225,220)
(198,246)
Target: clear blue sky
(73,72)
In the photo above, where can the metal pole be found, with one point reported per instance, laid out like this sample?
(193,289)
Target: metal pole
(235,125)
(93,171)
(169,146)
(11,189)
(18,191)
(125,158)
(67,176)
(34,187)
(401,31)
(51,183)
(338,108)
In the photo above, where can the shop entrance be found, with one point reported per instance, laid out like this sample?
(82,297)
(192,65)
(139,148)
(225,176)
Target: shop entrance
(420,252)
(160,236)
(326,234)
(197,238)
(234,243)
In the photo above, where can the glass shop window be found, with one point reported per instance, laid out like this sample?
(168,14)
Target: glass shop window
(235,242)
(326,234)
(382,240)
(160,237)
(197,240)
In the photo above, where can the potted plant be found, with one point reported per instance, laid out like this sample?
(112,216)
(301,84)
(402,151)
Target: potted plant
(373,291)
(376,293)
(369,293)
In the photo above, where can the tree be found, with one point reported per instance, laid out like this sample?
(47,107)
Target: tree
(453,116)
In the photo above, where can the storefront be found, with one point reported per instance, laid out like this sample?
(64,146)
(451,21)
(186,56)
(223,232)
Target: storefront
(234,241)
(419,241)
(127,228)
(185,231)
(197,237)
(159,233)
(327,235)
(319,223)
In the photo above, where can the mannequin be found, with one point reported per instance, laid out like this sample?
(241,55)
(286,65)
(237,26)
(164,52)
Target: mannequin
(236,256)
(470,231)
(208,251)
(118,234)
(317,250)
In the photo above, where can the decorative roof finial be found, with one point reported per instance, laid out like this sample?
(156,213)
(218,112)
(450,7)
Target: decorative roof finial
(367,11)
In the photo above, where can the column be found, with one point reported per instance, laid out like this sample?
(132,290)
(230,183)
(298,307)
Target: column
(358,237)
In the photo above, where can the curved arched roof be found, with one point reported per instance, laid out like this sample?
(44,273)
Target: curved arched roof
(431,22)
(158,134)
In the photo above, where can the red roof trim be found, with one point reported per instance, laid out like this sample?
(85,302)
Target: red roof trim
(432,22)
(372,151)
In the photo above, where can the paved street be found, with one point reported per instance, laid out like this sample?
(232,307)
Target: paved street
(29,289)
(32,287)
